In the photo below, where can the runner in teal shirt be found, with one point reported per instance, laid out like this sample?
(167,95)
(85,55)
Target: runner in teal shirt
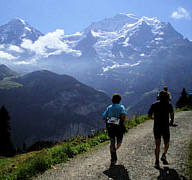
(114,110)
(114,116)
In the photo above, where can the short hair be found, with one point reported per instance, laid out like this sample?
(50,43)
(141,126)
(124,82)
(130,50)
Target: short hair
(116,98)
(163,96)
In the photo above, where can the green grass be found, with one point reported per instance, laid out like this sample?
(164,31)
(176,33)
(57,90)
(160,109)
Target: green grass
(27,165)
(185,108)
(24,166)
(5,84)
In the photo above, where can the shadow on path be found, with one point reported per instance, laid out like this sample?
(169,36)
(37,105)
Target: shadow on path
(169,174)
(117,172)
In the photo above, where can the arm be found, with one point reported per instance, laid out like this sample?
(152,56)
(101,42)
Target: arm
(150,116)
(123,113)
(105,114)
(150,112)
(104,118)
(172,118)
(171,114)
(123,116)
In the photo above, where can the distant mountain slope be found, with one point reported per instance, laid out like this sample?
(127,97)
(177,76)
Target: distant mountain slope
(126,54)
(52,107)
(6,72)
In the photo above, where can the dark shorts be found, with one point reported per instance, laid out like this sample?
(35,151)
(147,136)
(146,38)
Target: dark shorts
(161,132)
(118,139)
(115,133)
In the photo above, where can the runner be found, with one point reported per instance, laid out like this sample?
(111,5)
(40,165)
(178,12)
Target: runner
(161,110)
(114,116)
(166,90)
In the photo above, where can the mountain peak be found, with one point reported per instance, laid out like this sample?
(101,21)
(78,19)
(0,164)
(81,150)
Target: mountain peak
(16,30)
(113,24)
(17,21)
(2,66)
(121,15)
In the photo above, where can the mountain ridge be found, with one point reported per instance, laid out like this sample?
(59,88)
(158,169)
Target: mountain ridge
(138,56)
(52,107)
(6,72)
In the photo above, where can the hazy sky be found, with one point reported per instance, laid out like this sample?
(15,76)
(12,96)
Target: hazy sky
(75,15)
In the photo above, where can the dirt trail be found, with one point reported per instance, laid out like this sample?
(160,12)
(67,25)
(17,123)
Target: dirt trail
(135,157)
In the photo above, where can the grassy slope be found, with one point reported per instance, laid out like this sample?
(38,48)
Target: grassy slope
(5,84)
(30,164)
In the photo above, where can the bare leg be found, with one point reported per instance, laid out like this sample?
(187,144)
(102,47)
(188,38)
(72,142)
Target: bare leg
(157,148)
(118,146)
(165,148)
(119,142)
(111,148)
(113,151)
(166,145)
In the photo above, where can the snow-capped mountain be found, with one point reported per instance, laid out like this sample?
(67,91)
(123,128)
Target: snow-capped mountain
(16,30)
(113,24)
(22,45)
(137,37)
(126,54)
(124,37)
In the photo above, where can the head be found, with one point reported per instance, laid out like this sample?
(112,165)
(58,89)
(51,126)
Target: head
(165,88)
(163,96)
(116,99)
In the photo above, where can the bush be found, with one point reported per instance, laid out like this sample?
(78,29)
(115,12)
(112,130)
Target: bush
(31,166)
(70,150)
(58,154)
(83,147)
(40,163)
(93,142)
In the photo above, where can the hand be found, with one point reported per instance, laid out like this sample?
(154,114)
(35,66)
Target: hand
(104,119)
(151,117)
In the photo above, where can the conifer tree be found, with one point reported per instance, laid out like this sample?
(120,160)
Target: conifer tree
(6,148)
(183,100)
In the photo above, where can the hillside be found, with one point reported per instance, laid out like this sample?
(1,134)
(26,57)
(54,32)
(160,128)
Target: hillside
(6,72)
(48,106)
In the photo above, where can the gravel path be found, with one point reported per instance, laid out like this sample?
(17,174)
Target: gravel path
(135,157)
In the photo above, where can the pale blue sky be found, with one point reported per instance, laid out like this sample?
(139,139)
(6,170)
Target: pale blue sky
(75,15)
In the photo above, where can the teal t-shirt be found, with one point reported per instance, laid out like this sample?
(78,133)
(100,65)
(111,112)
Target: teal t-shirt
(114,110)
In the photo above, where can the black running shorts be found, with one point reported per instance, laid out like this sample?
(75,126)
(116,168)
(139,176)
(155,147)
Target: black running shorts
(118,138)
(115,133)
(161,132)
